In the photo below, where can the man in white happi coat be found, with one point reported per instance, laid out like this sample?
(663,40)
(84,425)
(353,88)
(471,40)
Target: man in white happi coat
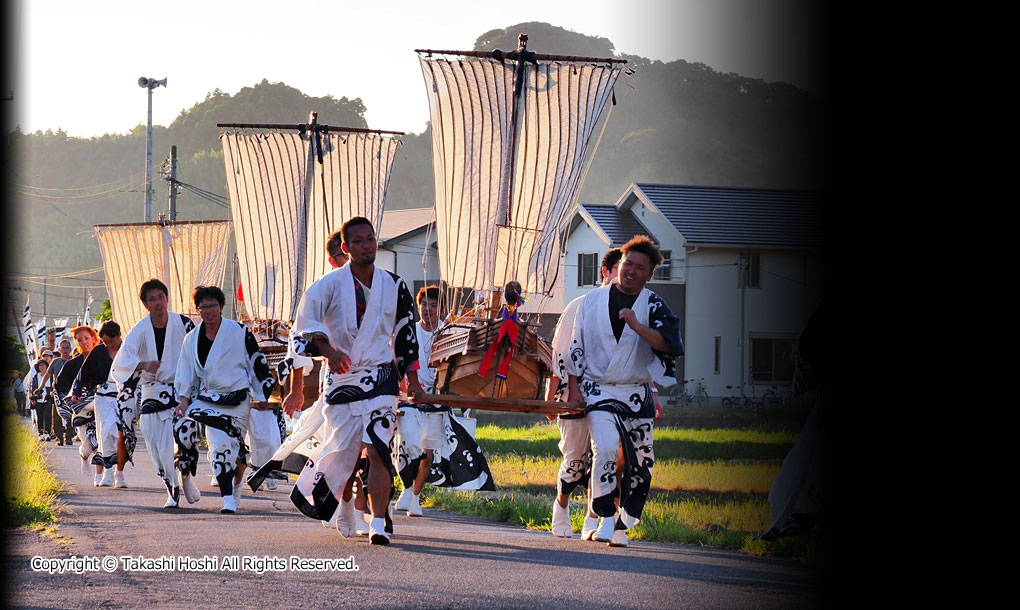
(421,426)
(431,446)
(575,441)
(148,357)
(361,320)
(620,330)
(220,370)
(311,429)
(306,440)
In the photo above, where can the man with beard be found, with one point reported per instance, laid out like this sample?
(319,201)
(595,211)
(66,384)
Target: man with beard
(361,320)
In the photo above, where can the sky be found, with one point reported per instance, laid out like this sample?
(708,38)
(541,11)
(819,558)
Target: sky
(75,65)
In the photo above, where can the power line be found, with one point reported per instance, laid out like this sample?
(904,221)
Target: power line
(81,188)
(68,275)
(93,198)
(56,208)
(219,200)
(52,285)
(118,189)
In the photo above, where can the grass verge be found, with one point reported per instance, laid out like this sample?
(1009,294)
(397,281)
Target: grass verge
(709,486)
(31,487)
(725,525)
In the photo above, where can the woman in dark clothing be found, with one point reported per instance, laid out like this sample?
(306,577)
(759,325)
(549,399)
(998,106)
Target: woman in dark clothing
(81,412)
(42,401)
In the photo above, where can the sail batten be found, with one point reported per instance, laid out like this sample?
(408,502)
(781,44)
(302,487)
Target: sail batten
(508,168)
(285,203)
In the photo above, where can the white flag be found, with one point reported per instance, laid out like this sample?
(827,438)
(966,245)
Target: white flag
(88,312)
(30,334)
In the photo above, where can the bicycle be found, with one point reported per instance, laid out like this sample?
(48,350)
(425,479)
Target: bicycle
(773,398)
(735,400)
(699,394)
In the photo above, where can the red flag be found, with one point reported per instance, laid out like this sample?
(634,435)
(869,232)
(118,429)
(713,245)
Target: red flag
(240,294)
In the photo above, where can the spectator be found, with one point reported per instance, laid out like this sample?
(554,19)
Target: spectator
(63,431)
(19,395)
(40,396)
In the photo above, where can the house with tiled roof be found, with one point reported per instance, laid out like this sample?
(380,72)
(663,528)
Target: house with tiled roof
(407,246)
(743,270)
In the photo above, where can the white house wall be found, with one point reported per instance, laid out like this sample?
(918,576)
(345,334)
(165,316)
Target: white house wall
(664,233)
(790,288)
(405,259)
(583,239)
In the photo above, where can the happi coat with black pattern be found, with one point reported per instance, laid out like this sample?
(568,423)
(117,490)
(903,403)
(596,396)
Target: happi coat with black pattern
(377,333)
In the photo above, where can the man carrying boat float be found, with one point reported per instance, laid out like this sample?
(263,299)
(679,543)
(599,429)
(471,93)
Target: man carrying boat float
(307,440)
(420,429)
(361,320)
(619,332)
(311,429)
(575,441)
(431,446)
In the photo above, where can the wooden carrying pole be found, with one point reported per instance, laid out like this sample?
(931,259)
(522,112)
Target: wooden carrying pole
(519,405)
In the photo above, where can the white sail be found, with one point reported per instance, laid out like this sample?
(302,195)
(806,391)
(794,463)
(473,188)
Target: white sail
(285,204)
(182,255)
(502,188)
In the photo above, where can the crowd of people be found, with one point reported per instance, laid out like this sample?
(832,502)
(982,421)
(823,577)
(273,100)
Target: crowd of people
(176,378)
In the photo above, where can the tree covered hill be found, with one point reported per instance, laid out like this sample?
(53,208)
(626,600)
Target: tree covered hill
(675,122)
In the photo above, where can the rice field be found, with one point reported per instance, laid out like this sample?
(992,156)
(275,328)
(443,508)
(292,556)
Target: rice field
(717,476)
(709,486)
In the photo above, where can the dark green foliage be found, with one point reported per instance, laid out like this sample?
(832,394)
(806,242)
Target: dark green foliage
(545,38)
(14,358)
(105,312)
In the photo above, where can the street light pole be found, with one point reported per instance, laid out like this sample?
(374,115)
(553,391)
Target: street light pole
(150,84)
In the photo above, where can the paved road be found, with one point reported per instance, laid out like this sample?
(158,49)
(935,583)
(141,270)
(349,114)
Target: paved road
(436,561)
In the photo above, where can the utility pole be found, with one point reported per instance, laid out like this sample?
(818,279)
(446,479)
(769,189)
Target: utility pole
(149,84)
(148,161)
(173,183)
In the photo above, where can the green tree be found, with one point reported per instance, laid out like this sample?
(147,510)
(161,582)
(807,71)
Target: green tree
(106,312)
(14,357)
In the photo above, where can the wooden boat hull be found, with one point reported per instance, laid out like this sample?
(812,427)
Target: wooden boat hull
(458,352)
